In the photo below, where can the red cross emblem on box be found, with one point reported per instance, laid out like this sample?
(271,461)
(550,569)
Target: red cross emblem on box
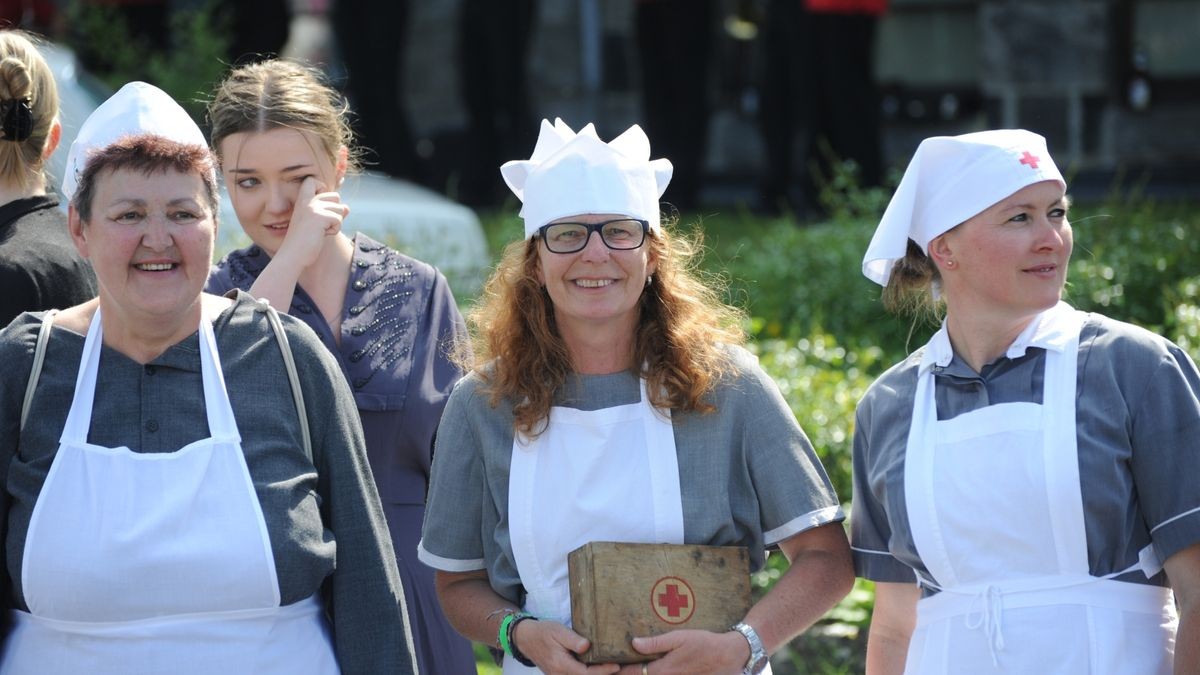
(672,600)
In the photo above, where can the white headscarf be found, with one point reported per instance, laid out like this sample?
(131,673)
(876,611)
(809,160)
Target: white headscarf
(138,108)
(949,180)
(571,174)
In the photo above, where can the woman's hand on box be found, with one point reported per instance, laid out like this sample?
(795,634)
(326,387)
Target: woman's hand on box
(692,652)
(553,647)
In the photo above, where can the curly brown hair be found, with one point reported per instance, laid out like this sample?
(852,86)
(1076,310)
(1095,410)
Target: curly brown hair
(682,325)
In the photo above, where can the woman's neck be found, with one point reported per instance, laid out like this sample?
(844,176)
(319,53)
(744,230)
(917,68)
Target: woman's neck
(600,350)
(144,338)
(980,341)
(326,279)
(10,191)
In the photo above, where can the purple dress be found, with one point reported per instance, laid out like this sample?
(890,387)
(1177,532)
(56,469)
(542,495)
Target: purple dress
(398,318)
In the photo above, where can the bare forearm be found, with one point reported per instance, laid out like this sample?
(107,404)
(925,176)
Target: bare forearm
(277,284)
(816,580)
(892,624)
(886,653)
(473,608)
(1187,643)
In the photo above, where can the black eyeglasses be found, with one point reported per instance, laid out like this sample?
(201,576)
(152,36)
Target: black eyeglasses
(620,235)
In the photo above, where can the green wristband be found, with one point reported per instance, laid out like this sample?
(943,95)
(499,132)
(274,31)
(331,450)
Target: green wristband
(503,637)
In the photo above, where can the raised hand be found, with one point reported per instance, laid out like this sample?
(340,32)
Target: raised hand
(317,214)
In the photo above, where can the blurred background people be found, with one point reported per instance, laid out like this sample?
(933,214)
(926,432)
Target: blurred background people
(675,40)
(493,51)
(819,82)
(372,36)
(284,144)
(39,266)
(1017,482)
(609,401)
(157,520)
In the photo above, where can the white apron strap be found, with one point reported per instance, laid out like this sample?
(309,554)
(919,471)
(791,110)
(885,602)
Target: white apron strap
(222,426)
(79,418)
(39,356)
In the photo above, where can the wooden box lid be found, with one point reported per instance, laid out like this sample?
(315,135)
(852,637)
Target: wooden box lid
(621,591)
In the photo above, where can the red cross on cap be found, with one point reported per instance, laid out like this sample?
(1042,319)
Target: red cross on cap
(1029,160)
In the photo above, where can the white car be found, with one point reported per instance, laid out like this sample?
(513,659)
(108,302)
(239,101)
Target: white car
(406,216)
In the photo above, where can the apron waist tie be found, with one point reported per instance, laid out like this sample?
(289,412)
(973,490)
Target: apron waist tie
(990,618)
(982,607)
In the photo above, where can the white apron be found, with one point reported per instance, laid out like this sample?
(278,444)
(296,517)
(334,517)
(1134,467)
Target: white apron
(996,512)
(602,475)
(156,562)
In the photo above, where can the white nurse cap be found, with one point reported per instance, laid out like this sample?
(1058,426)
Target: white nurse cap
(138,108)
(571,174)
(949,180)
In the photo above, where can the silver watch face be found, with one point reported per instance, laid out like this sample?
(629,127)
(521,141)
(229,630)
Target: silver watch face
(757,665)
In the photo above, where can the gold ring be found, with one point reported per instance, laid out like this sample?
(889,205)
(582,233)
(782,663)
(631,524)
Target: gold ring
(645,669)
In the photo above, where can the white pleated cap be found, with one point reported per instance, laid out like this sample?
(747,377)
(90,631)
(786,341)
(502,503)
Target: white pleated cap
(949,180)
(138,108)
(572,174)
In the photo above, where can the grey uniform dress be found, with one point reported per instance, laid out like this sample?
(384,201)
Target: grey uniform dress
(399,317)
(748,475)
(1137,421)
(323,518)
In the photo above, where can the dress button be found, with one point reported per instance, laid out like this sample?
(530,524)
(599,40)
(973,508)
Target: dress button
(151,426)
(362,264)
(357,330)
(360,285)
(356,310)
(150,370)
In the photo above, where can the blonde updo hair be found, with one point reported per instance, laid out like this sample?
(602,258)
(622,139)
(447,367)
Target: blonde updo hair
(24,74)
(914,286)
(279,94)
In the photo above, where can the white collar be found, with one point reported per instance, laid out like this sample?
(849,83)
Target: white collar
(1053,329)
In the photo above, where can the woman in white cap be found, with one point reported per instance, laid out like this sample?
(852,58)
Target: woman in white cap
(179,497)
(610,401)
(1022,490)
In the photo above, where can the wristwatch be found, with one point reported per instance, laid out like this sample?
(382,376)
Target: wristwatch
(758,655)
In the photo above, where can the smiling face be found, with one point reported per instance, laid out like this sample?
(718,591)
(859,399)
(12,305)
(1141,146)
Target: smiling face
(263,172)
(150,240)
(596,288)
(1010,261)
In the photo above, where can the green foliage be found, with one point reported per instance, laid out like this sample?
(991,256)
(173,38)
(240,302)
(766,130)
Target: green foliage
(187,70)
(822,381)
(1128,258)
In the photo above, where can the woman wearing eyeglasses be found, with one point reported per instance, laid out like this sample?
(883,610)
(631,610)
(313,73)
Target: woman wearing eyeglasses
(609,400)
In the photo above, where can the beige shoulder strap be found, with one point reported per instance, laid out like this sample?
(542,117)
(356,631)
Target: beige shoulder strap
(293,378)
(39,356)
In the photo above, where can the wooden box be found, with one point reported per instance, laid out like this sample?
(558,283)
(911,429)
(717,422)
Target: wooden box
(621,591)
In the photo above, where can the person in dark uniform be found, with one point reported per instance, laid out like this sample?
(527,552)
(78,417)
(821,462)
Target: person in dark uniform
(39,266)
